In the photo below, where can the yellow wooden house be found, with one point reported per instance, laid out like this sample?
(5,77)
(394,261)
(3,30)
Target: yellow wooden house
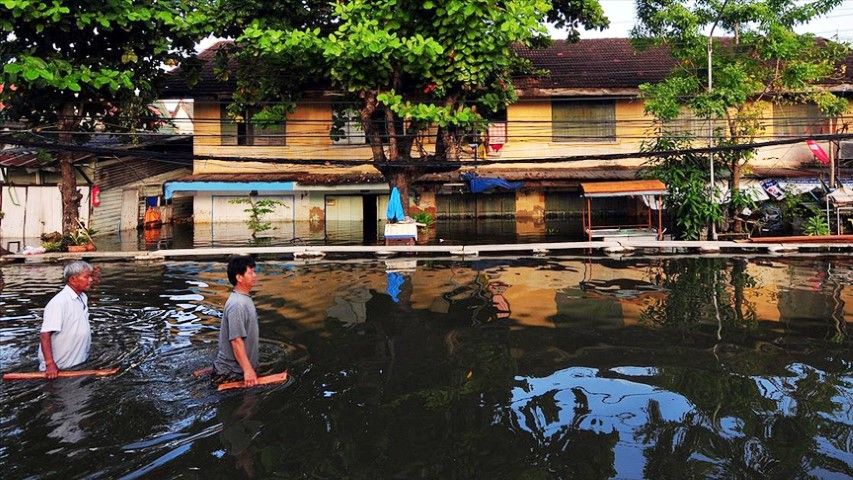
(589,104)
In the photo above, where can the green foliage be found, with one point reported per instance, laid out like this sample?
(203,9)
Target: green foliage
(52,246)
(697,293)
(257,210)
(816,226)
(425,64)
(687,179)
(424,217)
(56,54)
(761,58)
(76,237)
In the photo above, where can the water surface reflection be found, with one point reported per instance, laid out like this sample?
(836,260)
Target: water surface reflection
(590,368)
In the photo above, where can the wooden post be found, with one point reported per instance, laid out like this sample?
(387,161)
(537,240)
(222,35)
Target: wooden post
(589,220)
(649,219)
(660,217)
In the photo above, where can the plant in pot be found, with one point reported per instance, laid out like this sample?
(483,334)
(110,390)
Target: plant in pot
(77,241)
(88,233)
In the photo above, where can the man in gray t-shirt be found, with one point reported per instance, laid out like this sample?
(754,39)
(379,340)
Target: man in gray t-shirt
(238,332)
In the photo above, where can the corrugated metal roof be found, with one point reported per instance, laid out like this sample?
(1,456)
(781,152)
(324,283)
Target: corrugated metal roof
(28,158)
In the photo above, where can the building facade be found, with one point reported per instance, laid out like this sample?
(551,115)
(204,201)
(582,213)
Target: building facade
(588,105)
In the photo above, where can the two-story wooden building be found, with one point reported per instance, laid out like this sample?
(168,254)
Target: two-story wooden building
(588,104)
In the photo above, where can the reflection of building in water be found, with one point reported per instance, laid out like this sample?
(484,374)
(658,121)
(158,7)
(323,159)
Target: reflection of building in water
(350,306)
(541,292)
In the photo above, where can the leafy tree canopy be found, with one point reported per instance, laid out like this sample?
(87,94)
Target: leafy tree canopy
(419,64)
(758,57)
(90,58)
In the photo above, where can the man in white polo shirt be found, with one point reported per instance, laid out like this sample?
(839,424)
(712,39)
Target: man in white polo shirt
(65,334)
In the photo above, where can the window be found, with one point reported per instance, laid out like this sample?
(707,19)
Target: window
(798,120)
(249,132)
(583,121)
(689,125)
(346,127)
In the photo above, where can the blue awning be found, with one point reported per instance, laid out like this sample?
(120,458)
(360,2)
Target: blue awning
(170,188)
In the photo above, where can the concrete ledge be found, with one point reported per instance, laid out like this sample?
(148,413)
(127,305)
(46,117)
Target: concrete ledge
(667,248)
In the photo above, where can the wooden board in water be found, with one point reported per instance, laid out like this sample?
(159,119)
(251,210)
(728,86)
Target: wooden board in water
(265,380)
(62,374)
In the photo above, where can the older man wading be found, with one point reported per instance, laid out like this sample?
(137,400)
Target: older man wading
(65,334)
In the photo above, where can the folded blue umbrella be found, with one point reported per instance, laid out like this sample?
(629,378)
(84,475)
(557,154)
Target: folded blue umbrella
(394,213)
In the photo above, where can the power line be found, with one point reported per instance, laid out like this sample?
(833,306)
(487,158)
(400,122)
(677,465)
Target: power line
(425,164)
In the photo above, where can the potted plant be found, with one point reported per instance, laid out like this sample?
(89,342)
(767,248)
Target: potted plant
(88,233)
(77,241)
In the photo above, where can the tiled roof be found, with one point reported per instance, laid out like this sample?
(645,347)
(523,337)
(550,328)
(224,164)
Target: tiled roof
(208,84)
(601,64)
(595,63)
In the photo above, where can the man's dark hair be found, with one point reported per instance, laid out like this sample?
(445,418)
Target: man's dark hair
(238,265)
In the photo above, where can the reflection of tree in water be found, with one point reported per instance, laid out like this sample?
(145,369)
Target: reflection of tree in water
(575,451)
(748,427)
(704,290)
(478,302)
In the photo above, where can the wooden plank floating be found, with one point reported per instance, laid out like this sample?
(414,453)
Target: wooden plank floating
(265,380)
(62,374)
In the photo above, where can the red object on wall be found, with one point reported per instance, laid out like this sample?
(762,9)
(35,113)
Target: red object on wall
(96,196)
(818,152)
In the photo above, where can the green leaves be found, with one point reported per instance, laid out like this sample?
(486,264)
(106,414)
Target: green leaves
(95,54)
(759,59)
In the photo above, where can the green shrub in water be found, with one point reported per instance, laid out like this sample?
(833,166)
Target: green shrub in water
(257,210)
(424,217)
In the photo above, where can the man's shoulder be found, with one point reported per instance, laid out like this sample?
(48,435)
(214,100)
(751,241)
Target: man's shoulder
(60,297)
(238,300)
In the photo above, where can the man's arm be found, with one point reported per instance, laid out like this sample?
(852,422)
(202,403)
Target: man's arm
(52,371)
(250,378)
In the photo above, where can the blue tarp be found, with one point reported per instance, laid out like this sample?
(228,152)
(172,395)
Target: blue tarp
(479,184)
(394,213)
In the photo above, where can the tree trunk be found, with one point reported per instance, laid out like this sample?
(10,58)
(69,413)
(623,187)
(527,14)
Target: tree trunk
(734,186)
(734,181)
(366,114)
(391,128)
(68,184)
(738,279)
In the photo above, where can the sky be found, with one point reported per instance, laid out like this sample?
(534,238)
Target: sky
(622,17)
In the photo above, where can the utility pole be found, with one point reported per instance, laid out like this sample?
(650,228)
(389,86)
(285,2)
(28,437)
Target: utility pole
(710,119)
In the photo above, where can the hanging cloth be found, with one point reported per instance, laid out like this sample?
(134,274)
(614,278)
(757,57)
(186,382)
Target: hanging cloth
(394,213)
(818,152)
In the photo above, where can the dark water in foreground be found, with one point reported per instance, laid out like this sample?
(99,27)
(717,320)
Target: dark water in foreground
(599,368)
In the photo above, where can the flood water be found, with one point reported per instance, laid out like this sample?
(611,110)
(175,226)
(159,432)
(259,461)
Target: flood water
(446,232)
(507,368)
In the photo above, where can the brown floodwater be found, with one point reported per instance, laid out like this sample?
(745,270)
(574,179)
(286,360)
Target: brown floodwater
(496,368)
